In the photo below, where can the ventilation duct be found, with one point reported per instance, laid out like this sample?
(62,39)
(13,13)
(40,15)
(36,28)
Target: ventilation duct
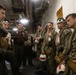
(17,5)
(42,8)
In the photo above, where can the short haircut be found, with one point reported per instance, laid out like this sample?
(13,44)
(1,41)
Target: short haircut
(38,24)
(5,22)
(2,7)
(19,24)
(51,23)
(26,29)
(73,15)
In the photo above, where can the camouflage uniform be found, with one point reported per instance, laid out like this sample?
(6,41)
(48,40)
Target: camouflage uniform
(63,35)
(71,54)
(50,45)
(73,51)
(39,45)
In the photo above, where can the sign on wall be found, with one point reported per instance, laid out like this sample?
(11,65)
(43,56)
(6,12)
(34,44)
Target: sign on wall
(60,12)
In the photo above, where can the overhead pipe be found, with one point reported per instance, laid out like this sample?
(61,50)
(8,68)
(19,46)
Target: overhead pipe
(17,5)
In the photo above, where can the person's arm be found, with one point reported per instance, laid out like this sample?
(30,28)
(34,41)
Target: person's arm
(2,52)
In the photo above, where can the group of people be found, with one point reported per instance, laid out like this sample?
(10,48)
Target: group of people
(5,43)
(59,47)
(52,48)
(22,46)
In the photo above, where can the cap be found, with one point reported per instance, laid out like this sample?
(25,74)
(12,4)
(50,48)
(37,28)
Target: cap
(59,20)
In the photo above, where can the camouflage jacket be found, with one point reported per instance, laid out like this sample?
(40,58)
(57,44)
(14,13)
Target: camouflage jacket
(72,51)
(41,35)
(64,35)
(49,41)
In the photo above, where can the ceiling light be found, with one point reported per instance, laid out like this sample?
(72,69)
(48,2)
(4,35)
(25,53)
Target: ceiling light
(15,29)
(24,21)
(35,0)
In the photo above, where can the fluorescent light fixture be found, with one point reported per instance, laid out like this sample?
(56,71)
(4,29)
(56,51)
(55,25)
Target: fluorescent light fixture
(35,0)
(24,21)
(15,29)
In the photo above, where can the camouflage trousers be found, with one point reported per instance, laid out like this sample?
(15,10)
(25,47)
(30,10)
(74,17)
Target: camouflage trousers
(52,63)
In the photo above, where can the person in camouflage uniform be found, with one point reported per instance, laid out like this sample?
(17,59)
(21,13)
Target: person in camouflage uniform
(39,47)
(39,39)
(61,37)
(70,49)
(49,46)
